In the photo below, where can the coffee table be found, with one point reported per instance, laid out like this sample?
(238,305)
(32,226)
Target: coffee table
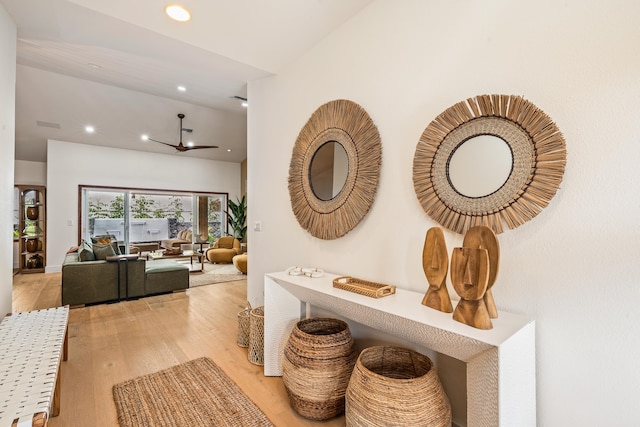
(191,255)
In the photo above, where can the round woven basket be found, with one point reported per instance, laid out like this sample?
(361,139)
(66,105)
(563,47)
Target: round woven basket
(319,358)
(394,386)
(256,336)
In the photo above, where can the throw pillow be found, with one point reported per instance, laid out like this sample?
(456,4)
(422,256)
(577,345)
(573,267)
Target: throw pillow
(107,239)
(85,253)
(101,252)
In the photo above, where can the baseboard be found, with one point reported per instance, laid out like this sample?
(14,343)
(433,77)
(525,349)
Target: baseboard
(53,269)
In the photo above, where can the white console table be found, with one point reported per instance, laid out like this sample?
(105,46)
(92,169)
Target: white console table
(501,377)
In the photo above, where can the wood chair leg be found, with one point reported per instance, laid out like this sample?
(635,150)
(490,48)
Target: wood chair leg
(55,405)
(65,345)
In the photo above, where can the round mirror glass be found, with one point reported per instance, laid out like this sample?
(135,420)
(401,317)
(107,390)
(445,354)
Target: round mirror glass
(480,166)
(329,170)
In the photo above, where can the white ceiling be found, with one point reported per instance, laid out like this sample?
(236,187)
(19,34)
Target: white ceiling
(139,56)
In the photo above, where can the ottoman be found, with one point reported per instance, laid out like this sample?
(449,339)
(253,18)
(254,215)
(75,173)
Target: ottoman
(240,262)
(163,276)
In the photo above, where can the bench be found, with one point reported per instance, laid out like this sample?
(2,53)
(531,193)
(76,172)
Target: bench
(32,345)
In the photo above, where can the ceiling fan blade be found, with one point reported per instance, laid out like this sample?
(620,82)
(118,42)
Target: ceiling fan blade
(180,147)
(164,143)
(197,147)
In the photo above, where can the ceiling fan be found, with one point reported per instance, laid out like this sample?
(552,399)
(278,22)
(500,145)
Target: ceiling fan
(180,147)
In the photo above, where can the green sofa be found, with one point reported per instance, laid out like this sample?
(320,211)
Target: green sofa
(97,281)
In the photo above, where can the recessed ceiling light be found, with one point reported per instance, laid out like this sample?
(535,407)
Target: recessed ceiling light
(89,129)
(190,144)
(228,150)
(182,88)
(177,12)
(144,137)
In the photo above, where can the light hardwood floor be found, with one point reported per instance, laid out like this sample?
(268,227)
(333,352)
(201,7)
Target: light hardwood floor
(111,343)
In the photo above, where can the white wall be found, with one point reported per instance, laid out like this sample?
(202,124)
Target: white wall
(574,268)
(70,165)
(30,173)
(7,150)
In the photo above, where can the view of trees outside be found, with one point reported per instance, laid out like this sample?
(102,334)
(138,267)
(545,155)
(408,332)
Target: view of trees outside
(214,211)
(106,205)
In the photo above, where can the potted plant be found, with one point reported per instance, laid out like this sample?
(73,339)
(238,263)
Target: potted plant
(237,215)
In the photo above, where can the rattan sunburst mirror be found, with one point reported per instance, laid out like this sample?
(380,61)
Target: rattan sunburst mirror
(535,149)
(334,169)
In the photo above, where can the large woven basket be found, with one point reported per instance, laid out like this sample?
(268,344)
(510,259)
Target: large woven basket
(317,364)
(256,336)
(394,386)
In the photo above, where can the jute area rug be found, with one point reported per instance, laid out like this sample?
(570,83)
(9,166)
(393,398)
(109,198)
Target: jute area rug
(193,394)
(215,273)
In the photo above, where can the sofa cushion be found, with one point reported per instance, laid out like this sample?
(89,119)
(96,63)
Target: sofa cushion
(85,253)
(101,252)
(165,276)
(105,239)
(184,235)
(162,266)
(71,257)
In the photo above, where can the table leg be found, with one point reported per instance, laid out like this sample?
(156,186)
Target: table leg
(126,278)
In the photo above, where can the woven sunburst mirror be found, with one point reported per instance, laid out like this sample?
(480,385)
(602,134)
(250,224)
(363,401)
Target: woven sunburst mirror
(537,153)
(341,123)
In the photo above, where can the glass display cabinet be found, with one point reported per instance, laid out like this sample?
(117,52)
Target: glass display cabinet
(32,227)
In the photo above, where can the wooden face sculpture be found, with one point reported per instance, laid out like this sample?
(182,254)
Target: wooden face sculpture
(470,278)
(481,237)
(435,262)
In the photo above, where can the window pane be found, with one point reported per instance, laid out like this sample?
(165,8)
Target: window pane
(156,217)
(105,214)
(146,216)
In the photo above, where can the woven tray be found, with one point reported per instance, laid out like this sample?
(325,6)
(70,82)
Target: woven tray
(363,287)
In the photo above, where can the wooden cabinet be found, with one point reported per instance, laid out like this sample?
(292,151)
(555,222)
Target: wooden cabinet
(32,217)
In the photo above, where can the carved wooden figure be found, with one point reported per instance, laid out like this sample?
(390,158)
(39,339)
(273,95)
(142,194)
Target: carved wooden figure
(481,237)
(435,261)
(470,277)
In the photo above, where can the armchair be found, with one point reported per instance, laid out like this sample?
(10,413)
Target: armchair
(223,250)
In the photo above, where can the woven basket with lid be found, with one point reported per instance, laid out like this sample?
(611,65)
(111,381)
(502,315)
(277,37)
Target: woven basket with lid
(317,364)
(395,386)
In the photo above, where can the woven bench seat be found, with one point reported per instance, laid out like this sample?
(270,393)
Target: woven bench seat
(32,345)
